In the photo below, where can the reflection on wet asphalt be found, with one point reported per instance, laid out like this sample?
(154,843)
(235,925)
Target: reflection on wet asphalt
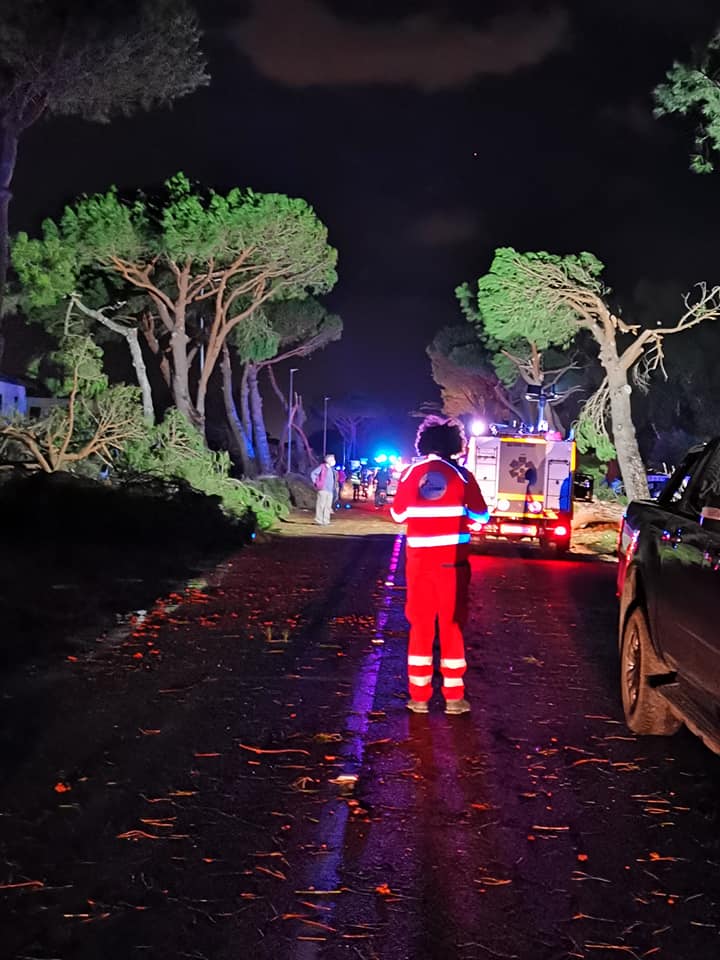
(233,772)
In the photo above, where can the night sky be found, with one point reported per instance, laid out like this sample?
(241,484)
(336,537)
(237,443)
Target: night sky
(426,135)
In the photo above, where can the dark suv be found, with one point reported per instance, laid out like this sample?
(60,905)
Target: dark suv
(668,585)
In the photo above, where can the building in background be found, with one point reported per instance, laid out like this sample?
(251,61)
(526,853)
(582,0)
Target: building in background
(13,398)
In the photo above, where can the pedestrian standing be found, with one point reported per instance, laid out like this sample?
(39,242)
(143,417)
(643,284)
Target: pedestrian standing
(438,498)
(382,479)
(340,477)
(324,479)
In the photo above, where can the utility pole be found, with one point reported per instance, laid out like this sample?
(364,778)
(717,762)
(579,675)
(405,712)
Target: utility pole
(289,425)
(325,401)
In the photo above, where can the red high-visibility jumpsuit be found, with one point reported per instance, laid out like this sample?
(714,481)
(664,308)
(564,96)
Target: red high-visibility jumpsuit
(437,498)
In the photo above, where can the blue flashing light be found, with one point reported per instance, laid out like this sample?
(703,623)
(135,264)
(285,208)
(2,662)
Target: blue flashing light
(381,458)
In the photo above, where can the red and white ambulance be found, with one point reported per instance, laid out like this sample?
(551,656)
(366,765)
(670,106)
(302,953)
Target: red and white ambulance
(527,482)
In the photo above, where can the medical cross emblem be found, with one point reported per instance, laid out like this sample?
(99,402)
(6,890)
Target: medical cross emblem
(521,467)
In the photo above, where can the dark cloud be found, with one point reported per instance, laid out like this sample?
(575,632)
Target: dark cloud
(658,13)
(302,43)
(634,116)
(445,228)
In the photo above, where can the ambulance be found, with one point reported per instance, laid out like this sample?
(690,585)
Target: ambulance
(527,482)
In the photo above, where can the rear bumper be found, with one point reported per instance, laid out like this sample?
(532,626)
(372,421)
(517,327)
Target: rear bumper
(524,528)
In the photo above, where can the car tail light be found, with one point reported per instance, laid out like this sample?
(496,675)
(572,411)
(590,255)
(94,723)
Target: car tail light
(560,531)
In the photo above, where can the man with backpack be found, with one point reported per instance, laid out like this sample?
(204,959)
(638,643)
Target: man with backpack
(324,480)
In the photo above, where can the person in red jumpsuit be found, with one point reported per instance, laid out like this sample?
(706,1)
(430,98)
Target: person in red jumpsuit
(438,498)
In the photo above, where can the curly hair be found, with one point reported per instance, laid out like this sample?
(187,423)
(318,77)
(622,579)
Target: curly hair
(444,436)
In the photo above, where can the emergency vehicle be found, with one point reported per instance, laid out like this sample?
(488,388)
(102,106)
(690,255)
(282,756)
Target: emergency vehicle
(527,482)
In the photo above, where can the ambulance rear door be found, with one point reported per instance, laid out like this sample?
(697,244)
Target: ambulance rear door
(560,459)
(485,458)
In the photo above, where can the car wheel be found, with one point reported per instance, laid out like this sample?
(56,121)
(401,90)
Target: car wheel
(646,711)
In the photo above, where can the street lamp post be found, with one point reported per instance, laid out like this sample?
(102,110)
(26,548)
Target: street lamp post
(289,424)
(325,402)
(541,395)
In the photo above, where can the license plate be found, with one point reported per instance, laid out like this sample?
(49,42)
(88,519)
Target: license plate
(518,529)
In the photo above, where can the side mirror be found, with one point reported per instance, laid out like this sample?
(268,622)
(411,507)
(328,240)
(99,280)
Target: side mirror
(710,519)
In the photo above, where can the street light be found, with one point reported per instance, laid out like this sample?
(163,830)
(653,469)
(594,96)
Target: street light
(541,395)
(325,401)
(289,426)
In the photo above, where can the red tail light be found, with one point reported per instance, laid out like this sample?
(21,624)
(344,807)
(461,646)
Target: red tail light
(560,531)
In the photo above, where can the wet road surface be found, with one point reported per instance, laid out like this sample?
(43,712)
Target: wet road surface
(233,773)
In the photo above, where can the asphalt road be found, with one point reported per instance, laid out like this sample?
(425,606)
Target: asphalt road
(232,773)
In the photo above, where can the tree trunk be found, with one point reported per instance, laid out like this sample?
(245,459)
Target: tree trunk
(212,354)
(245,410)
(147,325)
(262,446)
(302,436)
(138,362)
(8,157)
(236,430)
(630,462)
(181,377)
(302,457)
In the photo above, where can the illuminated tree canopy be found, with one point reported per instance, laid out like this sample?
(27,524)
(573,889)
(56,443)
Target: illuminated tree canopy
(694,90)
(95,61)
(203,263)
(548,299)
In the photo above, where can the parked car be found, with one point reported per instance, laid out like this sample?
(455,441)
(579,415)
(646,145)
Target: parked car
(668,583)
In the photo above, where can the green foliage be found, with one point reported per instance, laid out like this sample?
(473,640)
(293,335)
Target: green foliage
(255,340)
(264,234)
(174,450)
(81,362)
(104,417)
(285,328)
(519,299)
(46,268)
(506,370)
(460,344)
(95,422)
(590,439)
(463,368)
(461,359)
(303,323)
(282,329)
(694,90)
(521,318)
(76,57)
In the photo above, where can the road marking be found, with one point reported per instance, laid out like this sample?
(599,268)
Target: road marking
(334,818)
